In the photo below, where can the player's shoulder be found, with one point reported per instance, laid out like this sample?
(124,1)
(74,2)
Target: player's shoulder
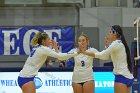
(91,49)
(116,42)
(44,48)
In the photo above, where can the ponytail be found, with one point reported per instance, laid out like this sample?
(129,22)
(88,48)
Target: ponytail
(127,53)
(34,41)
(38,38)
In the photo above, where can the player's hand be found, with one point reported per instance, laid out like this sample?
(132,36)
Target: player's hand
(81,48)
(107,41)
(55,45)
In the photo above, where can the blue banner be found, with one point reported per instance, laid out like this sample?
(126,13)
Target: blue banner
(16,41)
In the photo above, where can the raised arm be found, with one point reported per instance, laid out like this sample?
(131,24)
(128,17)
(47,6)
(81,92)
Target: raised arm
(104,55)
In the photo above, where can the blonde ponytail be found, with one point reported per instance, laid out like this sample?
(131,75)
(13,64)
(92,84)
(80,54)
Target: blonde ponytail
(34,41)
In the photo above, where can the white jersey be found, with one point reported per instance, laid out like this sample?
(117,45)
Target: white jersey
(38,57)
(83,67)
(118,55)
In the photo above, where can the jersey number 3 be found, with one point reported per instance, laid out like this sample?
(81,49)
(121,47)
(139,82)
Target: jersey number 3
(82,63)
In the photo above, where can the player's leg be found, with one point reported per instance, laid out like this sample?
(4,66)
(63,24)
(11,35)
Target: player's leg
(128,89)
(29,87)
(120,88)
(77,88)
(122,84)
(88,87)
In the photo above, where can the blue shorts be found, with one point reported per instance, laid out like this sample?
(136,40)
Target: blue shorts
(22,80)
(124,80)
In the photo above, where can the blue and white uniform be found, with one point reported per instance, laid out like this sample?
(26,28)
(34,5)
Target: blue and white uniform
(35,61)
(37,58)
(83,71)
(119,58)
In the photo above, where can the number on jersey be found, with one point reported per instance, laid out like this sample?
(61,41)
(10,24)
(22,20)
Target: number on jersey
(82,63)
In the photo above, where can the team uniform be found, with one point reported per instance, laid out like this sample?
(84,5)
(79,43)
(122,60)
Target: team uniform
(83,71)
(35,61)
(119,58)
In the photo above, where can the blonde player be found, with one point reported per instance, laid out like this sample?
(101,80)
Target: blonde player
(36,59)
(83,79)
(120,55)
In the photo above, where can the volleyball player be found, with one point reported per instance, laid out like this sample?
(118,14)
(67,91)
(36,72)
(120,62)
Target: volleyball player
(36,59)
(120,55)
(83,79)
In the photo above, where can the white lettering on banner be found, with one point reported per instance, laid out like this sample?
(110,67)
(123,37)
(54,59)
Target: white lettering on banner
(49,32)
(26,40)
(8,43)
(104,83)
(58,31)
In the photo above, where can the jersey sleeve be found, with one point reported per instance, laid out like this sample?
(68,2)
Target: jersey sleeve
(72,51)
(104,55)
(60,56)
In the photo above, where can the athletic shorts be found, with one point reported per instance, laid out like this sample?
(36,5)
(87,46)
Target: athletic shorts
(22,80)
(82,83)
(124,80)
